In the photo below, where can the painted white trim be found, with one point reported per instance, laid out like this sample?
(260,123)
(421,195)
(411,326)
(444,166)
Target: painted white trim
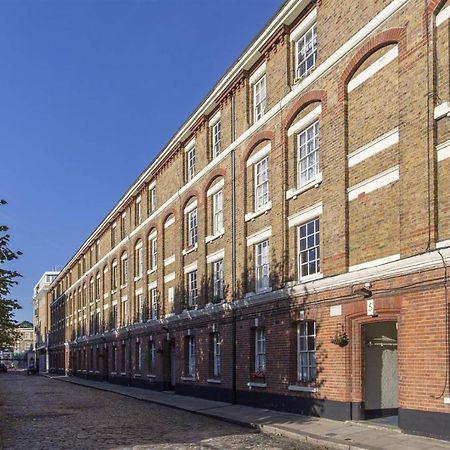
(216,256)
(290,9)
(303,26)
(293,192)
(152,235)
(258,73)
(259,155)
(190,207)
(169,277)
(213,381)
(305,215)
(213,237)
(252,215)
(151,185)
(138,291)
(169,260)
(304,122)
(216,187)
(124,298)
(296,388)
(139,245)
(443,244)
(105,307)
(124,256)
(374,263)
(443,16)
(443,150)
(169,222)
(442,110)
(375,67)
(153,285)
(190,267)
(190,145)
(251,384)
(139,199)
(383,142)
(215,118)
(259,236)
(376,182)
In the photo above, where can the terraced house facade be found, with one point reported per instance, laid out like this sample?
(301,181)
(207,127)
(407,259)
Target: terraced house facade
(288,248)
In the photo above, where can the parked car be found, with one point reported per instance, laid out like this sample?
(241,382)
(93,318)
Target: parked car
(3,368)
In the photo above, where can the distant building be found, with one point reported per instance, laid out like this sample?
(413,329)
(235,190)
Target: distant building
(26,340)
(41,319)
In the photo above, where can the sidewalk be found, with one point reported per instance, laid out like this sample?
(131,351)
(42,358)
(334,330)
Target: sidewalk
(324,432)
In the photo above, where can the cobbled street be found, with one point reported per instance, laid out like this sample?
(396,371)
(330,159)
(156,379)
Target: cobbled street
(41,413)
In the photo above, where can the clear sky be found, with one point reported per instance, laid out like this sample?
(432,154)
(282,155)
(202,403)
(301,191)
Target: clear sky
(90,91)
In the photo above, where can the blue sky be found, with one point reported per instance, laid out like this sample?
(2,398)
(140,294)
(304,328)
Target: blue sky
(90,91)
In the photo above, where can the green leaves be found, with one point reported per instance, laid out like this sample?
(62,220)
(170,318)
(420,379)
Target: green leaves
(8,278)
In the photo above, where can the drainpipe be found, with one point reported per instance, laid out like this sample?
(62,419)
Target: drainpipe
(233,244)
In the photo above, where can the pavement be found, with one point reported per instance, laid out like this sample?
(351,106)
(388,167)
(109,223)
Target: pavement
(320,431)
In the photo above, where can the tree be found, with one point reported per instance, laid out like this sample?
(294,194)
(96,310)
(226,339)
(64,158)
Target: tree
(8,333)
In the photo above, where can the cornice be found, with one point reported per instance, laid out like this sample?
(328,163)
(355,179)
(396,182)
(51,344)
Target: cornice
(236,83)
(277,39)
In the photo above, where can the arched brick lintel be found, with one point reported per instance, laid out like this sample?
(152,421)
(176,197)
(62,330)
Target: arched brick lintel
(434,6)
(186,197)
(168,213)
(380,40)
(303,102)
(255,140)
(220,172)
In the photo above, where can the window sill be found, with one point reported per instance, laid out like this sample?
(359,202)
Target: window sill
(262,291)
(297,388)
(97,300)
(251,384)
(264,210)
(213,237)
(105,295)
(113,291)
(315,276)
(151,376)
(123,374)
(138,278)
(292,193)
(150,271)
(137,375)
(213,381)
(192,248)
(123,286)
(187,378)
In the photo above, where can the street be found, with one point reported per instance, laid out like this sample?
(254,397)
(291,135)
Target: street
(41,413)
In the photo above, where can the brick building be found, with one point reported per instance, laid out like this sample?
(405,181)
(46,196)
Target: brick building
(288,248)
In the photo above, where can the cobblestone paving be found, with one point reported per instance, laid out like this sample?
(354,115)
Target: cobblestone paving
(40,413)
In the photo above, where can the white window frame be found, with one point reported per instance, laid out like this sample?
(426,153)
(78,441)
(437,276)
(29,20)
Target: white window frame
(154,303)
(261,171)
(306,356)
(259,97)
(192,227)
(305,252)
(190,163)
(218,292)
(154,253)
(139,260)
(217,355)
(260,350)
(97,286)
(138,212)
(152,199)
(311,151)
(192,280)
(216,133)
(123,270)
(139,357)
(114,276)
(308,43)
(262,266)
(191,356)
(151,357)
(217,202)
(140,307)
